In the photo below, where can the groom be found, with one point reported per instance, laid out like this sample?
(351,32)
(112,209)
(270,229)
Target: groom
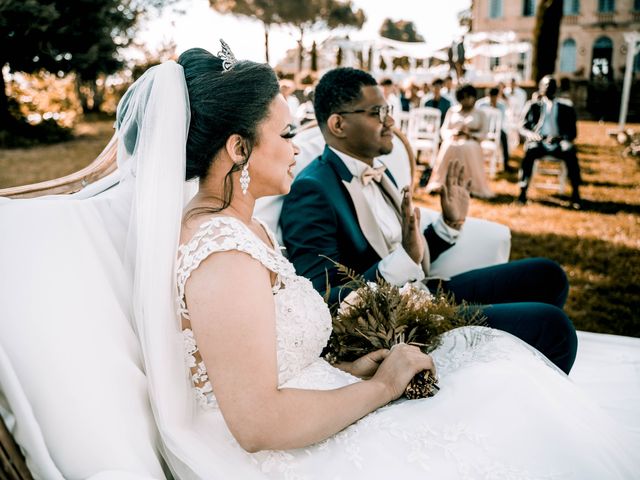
(345,207)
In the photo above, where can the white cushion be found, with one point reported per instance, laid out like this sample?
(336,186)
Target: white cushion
(71,351)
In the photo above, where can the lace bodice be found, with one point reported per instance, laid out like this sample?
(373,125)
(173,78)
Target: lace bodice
(303,322)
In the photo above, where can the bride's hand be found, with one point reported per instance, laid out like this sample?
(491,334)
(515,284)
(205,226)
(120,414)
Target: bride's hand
(399,367)
(366,366)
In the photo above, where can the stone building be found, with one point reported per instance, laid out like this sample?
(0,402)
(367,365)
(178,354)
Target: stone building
(591,44)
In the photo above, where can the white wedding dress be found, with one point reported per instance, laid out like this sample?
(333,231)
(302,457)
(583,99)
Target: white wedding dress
(503,411)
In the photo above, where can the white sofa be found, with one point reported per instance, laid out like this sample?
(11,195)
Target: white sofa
(78,385)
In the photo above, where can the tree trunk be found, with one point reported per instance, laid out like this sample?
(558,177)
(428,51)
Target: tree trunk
(266,42)
(545,38)
(83,98)
(300,49)
(5,116)
(98,95)
(314,57)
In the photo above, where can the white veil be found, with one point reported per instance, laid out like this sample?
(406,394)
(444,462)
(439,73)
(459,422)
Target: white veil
(153,123)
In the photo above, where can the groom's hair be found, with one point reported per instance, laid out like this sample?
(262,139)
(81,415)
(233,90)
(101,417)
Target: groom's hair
(337,89)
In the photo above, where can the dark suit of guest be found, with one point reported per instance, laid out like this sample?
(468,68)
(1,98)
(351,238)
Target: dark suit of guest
(558,143)
(442,104)
(325,217)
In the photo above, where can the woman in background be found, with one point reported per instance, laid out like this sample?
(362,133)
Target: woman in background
(464,127)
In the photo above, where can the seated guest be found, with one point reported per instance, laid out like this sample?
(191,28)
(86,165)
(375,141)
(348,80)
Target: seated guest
(493,100)
(449,90)
(464,127)
(549,128)
(390,96)
(516,97)
(410,96)
(305,113)
(436,100)
(346,207)
(287,89)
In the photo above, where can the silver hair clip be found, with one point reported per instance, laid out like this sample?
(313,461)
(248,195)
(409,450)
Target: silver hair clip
(227,57)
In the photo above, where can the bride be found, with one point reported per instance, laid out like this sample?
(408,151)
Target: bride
(255,398)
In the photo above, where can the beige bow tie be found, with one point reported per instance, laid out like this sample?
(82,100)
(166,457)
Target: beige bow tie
(371,173)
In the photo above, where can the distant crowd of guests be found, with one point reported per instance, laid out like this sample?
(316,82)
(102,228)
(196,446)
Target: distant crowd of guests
(545,124)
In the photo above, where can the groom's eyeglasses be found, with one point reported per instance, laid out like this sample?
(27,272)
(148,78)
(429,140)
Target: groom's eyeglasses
(382,111)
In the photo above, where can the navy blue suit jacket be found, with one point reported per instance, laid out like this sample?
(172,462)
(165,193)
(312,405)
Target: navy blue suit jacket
(566,118)
(319,220)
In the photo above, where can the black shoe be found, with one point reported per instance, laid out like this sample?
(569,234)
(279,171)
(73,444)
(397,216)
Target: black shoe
(522,198)
(576,202)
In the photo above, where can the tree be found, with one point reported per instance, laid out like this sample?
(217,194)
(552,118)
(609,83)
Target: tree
(266,11)
(546,37)
(58,36)
(314,57)
(401,30)
(306,15)
(465,18)
(301,14)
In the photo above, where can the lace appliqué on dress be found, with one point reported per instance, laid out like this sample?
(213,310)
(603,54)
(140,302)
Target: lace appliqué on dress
(303,322)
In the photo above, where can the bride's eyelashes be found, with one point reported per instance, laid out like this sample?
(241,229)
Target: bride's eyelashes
(290,133)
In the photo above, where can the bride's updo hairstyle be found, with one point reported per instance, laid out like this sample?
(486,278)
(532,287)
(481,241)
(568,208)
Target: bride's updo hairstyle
(224,102)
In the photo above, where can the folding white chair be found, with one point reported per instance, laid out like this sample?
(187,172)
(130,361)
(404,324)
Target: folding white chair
(491,145)
(554,170)
(424,132)
(512,128)
(402,121)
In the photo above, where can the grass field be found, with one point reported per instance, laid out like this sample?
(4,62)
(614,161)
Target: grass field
(599,247)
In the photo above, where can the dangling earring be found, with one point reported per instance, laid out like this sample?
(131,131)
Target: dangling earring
(245,178)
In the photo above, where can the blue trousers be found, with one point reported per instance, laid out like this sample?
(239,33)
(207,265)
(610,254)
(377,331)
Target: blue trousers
(525,298)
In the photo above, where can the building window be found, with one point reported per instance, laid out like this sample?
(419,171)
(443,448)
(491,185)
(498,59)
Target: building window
(601,59)
(572,7)
(606,6)
(528,8)
(495,8)
(494,62)
(636,5)
(568,56)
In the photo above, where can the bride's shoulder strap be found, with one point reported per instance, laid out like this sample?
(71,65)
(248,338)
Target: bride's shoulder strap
(223,234)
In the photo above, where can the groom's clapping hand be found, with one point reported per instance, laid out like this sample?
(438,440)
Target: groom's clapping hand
(412,241)
(454,196)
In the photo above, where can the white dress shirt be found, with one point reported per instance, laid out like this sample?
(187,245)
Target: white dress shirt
(396,268)
(549,126)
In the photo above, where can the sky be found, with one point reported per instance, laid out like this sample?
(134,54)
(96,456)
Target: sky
(200,26)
